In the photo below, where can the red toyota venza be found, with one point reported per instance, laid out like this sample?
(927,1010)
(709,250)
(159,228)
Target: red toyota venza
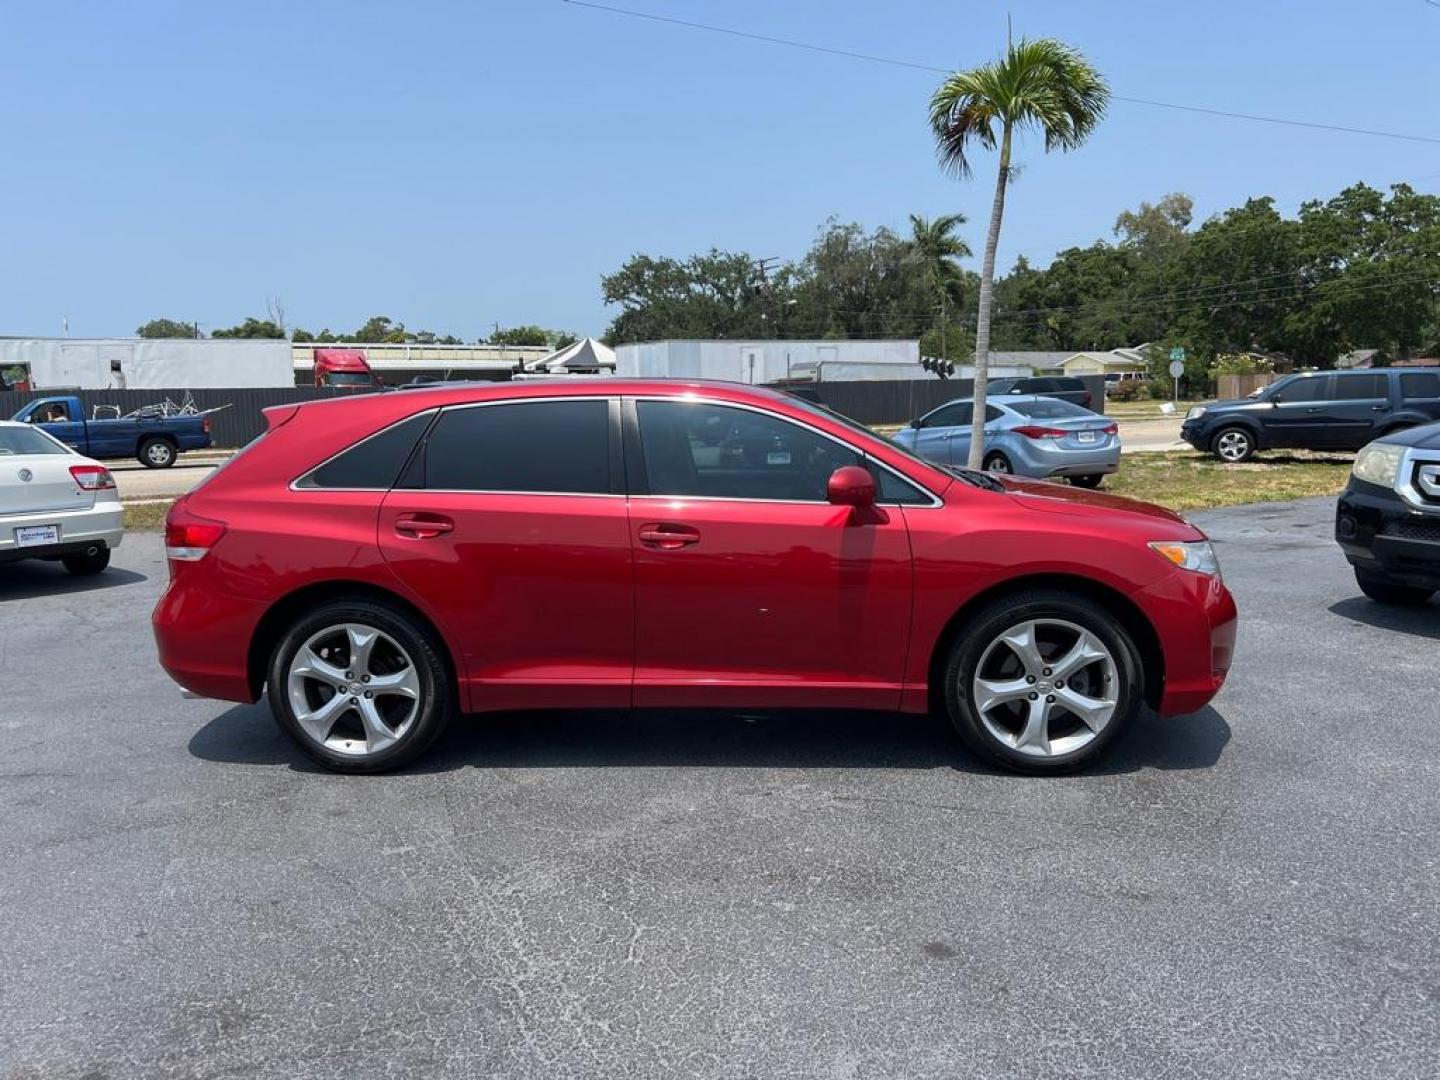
(378,564)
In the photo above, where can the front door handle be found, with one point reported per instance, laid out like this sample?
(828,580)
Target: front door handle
(1315,410)
(423,526)
(667,536)
(1379,408)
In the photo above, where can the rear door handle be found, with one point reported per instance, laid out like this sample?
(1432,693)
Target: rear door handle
(423,526)
(667,536)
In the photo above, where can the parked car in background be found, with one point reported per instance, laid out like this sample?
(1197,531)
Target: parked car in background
(1065,387)
(1322,410)
(1026,435)
(383,561)
(54,503)
(1388,518)
(155,441)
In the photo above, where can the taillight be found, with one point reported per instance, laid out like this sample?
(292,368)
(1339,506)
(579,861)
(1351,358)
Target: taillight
(1111,429)
(205,424)
(189,538)
(1032,432)
(92,478)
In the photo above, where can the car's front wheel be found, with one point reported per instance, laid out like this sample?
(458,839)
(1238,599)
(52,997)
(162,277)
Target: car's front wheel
(1043,682)
(360,686)
(1233,445)
(1388,592)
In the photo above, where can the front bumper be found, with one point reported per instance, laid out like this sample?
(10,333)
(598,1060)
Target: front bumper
(1196,434)
(80,530)
(1195,619)
(1386,537)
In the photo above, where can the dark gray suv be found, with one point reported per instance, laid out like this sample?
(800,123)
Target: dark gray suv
(1321,410)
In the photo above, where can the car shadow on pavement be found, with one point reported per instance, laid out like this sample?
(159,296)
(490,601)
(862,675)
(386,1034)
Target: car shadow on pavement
(1421,622)
(247,735)
(27,580)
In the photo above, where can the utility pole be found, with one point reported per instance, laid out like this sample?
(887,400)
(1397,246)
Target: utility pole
(762,271)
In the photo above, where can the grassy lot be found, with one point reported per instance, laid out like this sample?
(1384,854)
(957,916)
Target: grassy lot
(1186,480)
(146,515)
(1143,410)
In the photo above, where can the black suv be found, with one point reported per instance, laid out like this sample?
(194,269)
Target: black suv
(1388,519)
(1066,388)
(1322,410)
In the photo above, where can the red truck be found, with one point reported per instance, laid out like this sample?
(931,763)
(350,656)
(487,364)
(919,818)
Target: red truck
(344,368)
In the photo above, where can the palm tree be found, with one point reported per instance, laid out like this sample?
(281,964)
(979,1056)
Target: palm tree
(1042,84)
(936,247)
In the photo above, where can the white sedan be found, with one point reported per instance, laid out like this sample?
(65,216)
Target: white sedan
(55,504)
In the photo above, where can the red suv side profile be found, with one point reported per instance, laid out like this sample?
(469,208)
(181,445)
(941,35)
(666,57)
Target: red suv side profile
(379,564)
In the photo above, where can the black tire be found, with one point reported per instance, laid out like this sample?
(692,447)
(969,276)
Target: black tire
(436,702)
(995,461)
(1233,444)
(86,564)
(1089,480)
(989,624)
(1383,591)
(156,453)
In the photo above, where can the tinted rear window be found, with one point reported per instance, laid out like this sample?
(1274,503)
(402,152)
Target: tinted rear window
(19,440)
(1051,409)
(1420,384)
(561,447)
(374,463)
(1360,387)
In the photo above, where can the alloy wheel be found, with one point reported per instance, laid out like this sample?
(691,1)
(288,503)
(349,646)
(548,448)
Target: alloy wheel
(353,689)
(1233,446)
(1046,687)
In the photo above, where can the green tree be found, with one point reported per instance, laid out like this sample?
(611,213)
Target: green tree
(532,335)
(167,328)
(715,295)
(379,329)
(1156,230)
(1042,84)
(251,328)
(301,337)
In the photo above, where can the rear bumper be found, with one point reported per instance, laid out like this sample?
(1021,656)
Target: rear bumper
(1195,619)
(203,636)
(1034,458)
(80,530)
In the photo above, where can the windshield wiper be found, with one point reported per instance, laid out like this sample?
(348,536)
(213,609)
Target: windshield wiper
(975,478)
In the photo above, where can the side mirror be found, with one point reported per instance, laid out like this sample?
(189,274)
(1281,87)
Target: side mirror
(916,424)
(850,485)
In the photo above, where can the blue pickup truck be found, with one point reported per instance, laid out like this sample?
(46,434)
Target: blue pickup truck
(155,441)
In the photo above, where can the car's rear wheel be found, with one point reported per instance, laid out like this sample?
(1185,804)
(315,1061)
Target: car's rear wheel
(87,563)
(360,686)
(1089,480)
(1388,592)
(995,461)
(157,453)
(1233,445)
(1043,682)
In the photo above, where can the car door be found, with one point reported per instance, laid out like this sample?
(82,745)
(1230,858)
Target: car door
(1294,416)
(1358,401)
(68,428)
(936,437)
(1420,393)
(511,525)
(751,590)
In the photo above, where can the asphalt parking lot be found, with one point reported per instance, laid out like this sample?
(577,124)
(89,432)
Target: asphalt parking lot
(1251,891)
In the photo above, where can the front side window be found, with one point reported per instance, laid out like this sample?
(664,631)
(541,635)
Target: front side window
(1360,387)
(700,449)
(556,447)
(956,415)
(1302,389)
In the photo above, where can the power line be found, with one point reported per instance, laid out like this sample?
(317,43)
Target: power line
(894,62)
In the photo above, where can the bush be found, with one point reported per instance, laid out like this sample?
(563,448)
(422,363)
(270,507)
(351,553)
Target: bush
(1157,390)
(1126,390)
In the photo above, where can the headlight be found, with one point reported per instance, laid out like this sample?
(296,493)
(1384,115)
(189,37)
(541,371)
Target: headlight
(1195,413)
(1196,555)
(1379,463)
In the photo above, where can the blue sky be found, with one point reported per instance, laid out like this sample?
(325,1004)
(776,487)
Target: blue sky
(456,164)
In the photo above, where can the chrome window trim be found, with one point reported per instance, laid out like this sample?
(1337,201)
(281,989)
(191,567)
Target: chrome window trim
(693,399)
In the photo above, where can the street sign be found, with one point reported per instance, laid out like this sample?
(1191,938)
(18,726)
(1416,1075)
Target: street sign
(1177,368)
(1178,353)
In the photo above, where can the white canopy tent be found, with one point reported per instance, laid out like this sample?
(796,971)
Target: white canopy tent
(584,357)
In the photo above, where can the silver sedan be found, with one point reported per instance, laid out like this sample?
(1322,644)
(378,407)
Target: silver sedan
(55,504)
(1028,435)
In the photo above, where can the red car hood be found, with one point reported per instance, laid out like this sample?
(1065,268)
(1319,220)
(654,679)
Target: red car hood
(1065,499)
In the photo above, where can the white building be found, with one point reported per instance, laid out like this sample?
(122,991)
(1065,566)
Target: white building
(771,361)
(132,363)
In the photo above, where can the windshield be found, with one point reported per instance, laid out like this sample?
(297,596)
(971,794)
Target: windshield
(347,378)
(21,440)
(1048,409)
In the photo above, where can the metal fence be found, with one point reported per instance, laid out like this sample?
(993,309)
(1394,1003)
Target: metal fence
(870,402)
(231,427)
(895,402)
